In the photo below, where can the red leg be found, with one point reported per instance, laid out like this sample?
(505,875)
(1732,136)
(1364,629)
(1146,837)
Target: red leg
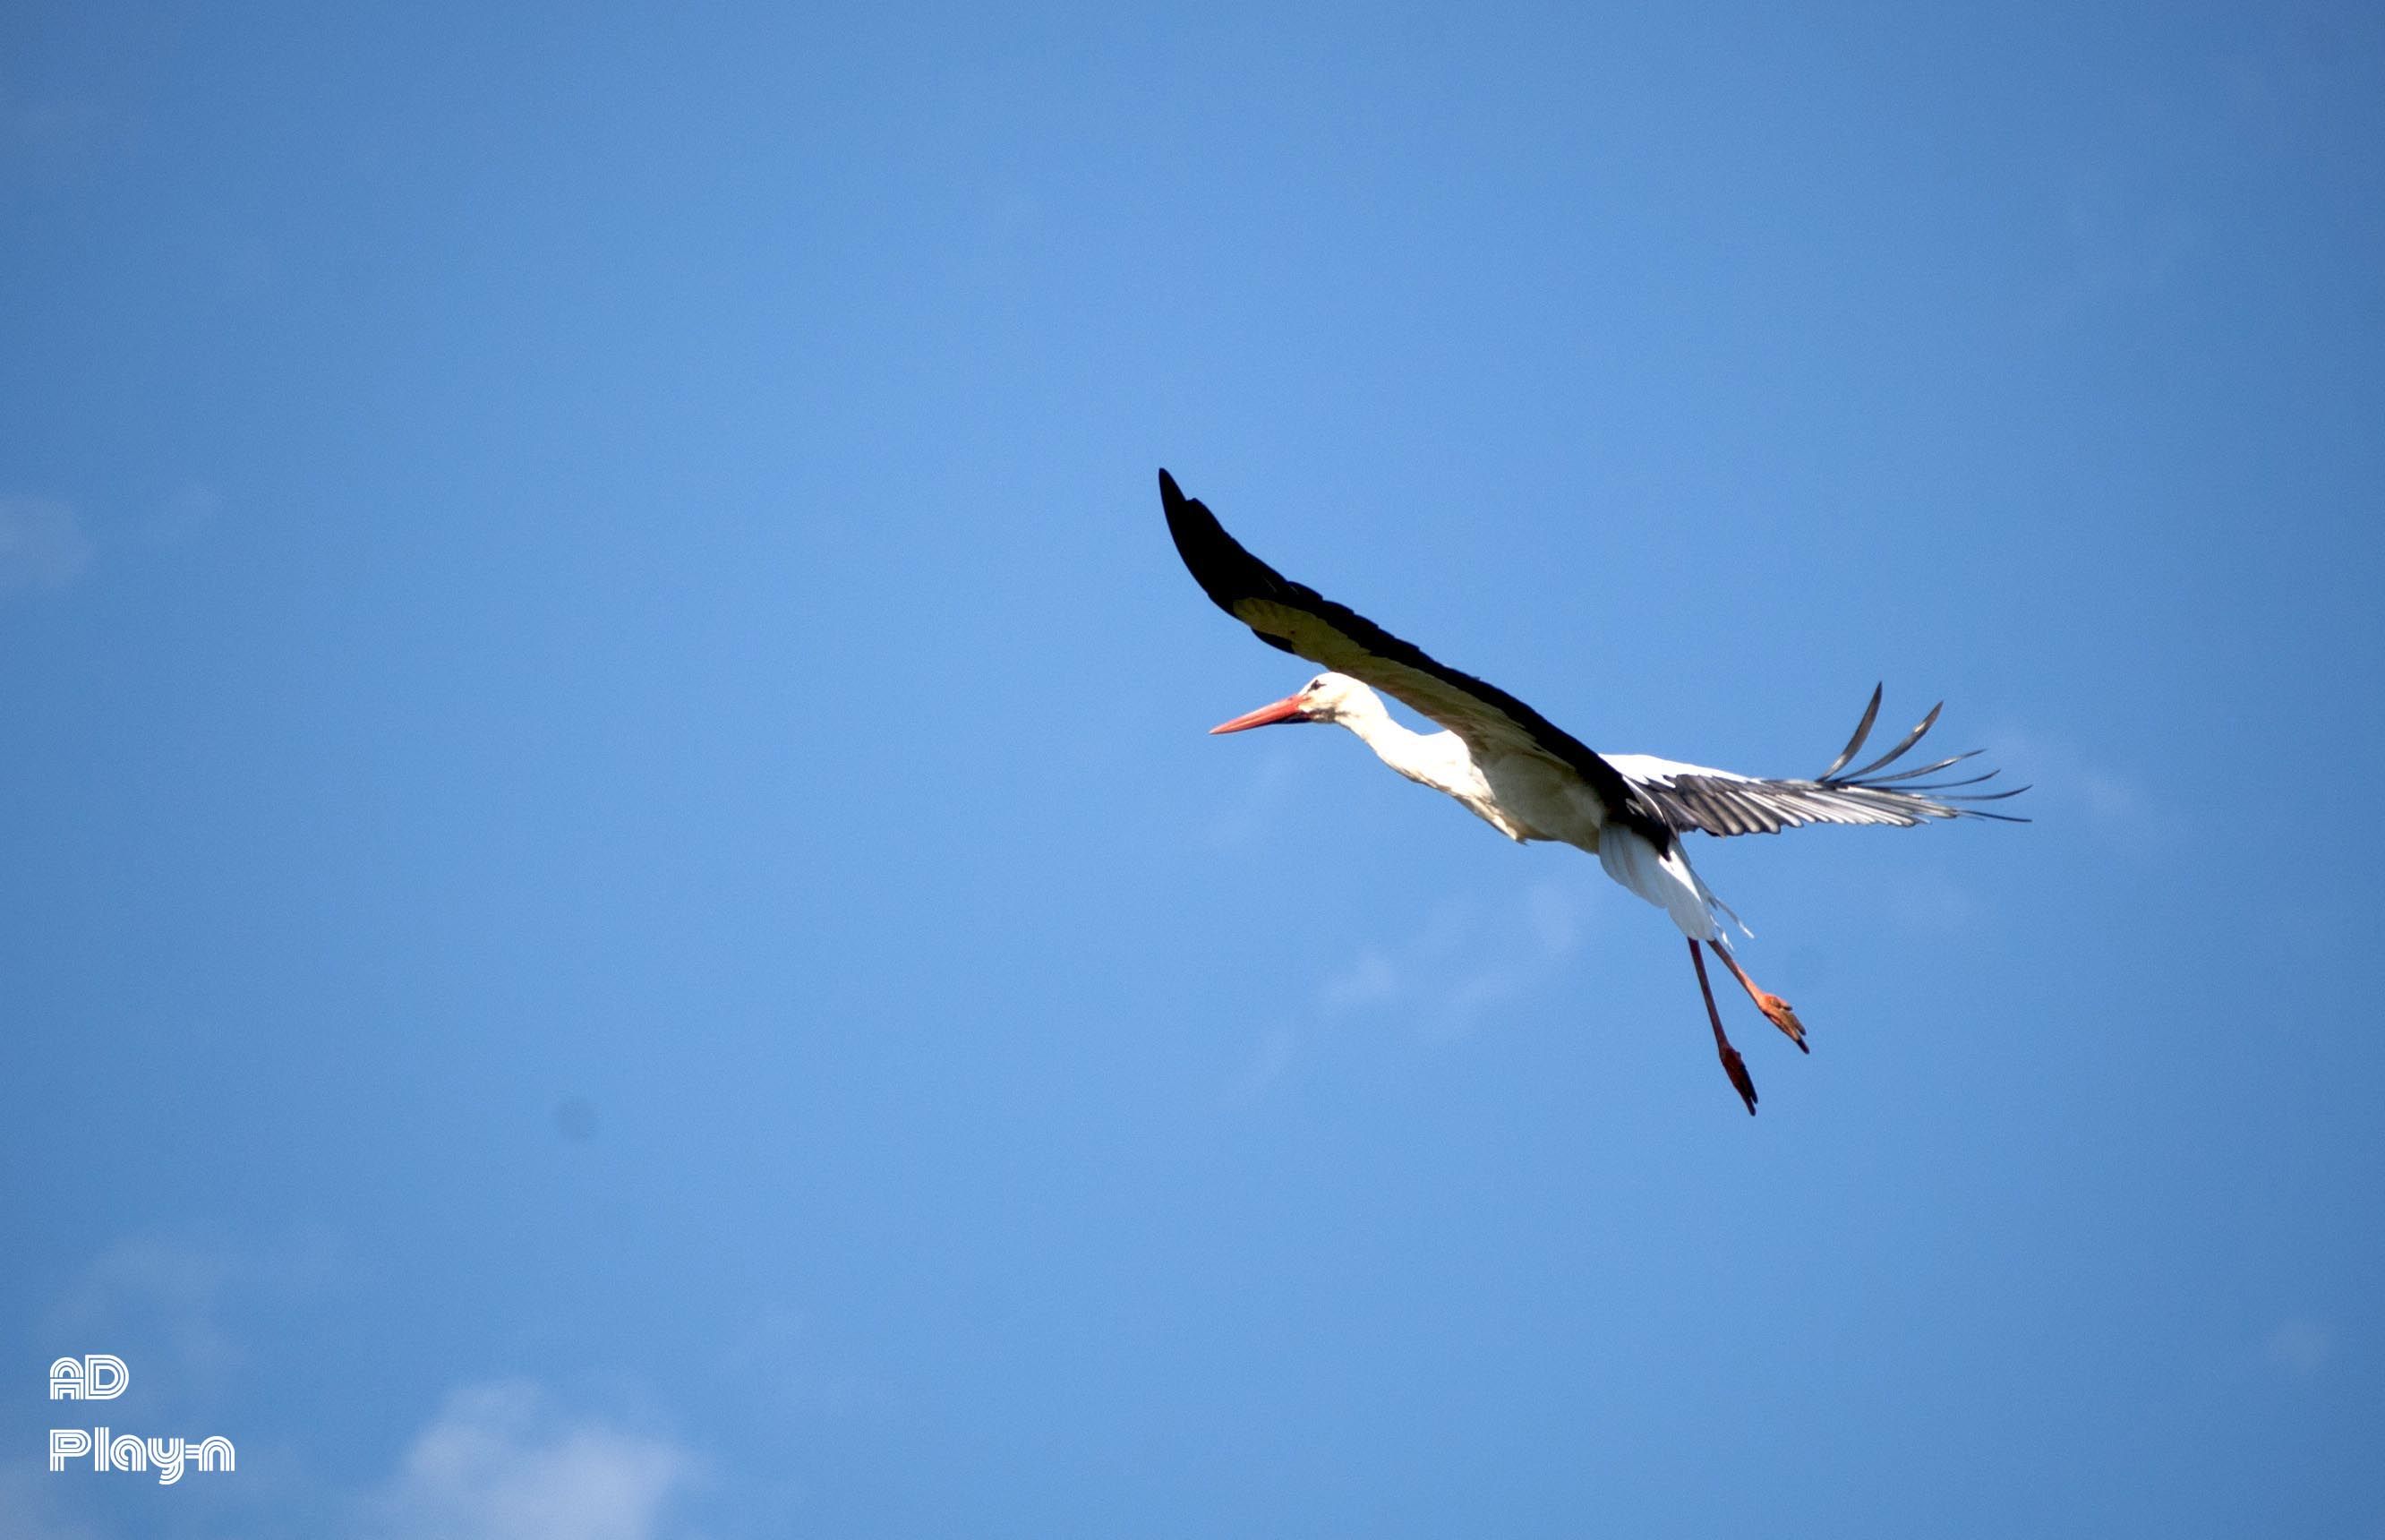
(1733,1064)
(1775,1009)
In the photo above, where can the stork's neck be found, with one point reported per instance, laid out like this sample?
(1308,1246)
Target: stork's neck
(1414,755)
(1437,759)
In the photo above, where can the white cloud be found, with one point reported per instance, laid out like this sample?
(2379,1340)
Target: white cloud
(1268,1062)
(41,544)
(499,1462)
(147,1295)
(1476,960)
(155,1295)
(1370,978)
(1470,958)
(29,1508)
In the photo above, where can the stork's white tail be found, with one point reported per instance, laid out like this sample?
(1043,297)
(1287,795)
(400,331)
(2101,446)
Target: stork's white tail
(1666,880)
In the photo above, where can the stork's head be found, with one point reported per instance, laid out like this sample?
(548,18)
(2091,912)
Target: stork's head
(1327,698)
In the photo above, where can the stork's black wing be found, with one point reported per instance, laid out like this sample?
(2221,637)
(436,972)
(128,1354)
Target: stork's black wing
(1297,619)
(1721,802)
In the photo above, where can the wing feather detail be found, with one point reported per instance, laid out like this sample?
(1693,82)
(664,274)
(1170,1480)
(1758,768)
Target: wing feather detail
(1294,617)
(1723,802)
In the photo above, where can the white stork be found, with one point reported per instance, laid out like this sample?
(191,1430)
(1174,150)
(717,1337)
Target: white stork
(1530,780)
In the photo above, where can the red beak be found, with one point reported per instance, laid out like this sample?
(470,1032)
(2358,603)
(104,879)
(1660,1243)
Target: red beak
(1288,709)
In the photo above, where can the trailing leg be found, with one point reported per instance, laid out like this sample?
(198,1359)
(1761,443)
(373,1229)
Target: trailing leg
(1733,1064)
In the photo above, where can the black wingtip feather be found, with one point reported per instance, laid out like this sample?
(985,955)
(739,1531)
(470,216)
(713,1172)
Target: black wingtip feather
(1893,755)
(1926,770)
(1217,560)
(1863,730)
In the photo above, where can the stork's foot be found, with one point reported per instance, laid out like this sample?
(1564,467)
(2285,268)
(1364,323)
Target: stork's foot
(1778,1011)
(1736,1068)
(1775,1009)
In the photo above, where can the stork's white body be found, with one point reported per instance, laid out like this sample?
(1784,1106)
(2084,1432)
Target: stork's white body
(1525,798)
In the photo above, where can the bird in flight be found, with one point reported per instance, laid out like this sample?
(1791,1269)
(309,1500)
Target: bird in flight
(1532,780)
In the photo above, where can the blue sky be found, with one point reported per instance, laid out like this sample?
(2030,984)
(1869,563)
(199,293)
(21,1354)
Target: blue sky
(615,916)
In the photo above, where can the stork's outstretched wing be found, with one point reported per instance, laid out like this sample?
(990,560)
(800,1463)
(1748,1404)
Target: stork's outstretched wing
(1721,802)
(1297,619)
